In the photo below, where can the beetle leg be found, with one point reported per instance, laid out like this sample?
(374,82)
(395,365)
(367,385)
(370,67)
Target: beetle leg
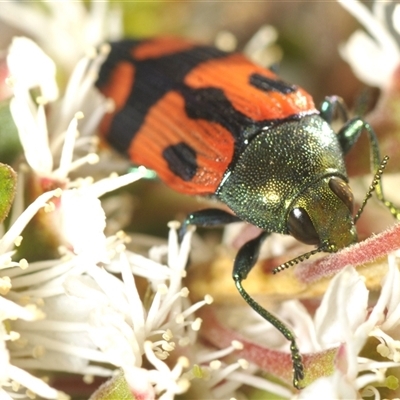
(331,106)
(244,262)
(351,131)
(210,217)
(348,135)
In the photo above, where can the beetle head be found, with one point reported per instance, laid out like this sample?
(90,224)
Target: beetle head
(323,215)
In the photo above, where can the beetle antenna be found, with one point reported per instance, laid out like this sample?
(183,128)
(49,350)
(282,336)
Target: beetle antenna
(298,259)
(372,187)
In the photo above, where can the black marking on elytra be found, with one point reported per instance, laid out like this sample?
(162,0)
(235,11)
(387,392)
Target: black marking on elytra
(153,79)
(181,160)
(267,84)
(212,105)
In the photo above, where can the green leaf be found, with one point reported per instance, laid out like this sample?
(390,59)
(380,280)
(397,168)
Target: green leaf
(8,180)
(10,146)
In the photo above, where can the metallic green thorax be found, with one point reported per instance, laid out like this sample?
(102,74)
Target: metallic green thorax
(288,166)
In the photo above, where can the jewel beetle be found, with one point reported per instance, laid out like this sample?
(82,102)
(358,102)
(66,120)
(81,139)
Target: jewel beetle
(215,124)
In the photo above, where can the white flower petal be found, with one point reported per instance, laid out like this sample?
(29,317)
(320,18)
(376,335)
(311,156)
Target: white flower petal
(83,224)
(396,18)
(34,384)
(138,380)
(82,288)
(69,27)
(110,184)
(391,284)
(334,387)
(41,73)
(372,24)
(343,308)
(373,58)
(302,323)
(32,134)
(4,356)
(15,231)
(114,337)
(112,287)
(369,62)
(11,310)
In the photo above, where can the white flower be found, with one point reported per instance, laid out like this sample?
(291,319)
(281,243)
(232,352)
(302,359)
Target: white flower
(44,140)
(334,387)
(93,316)
(42,69)
(81,220)
(385,316)
(343,319)
(14,232)
(375,56)
(10,374)
(219,379)
(64,29)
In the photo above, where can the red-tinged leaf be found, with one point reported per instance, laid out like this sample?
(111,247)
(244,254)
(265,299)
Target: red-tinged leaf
(367,251)
(274,362)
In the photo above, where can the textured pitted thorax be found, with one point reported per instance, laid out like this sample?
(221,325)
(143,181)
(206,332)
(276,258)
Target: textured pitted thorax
(277,166)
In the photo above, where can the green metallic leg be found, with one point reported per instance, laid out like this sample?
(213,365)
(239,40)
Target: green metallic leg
(333,106)
(348,135)
(244,262)
(209,217)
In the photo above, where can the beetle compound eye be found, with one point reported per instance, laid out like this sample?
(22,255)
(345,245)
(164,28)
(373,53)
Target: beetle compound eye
(301,227)
(343,191)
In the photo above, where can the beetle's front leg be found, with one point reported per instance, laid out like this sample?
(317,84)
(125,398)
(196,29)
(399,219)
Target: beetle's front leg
(244,262)
(210,217)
